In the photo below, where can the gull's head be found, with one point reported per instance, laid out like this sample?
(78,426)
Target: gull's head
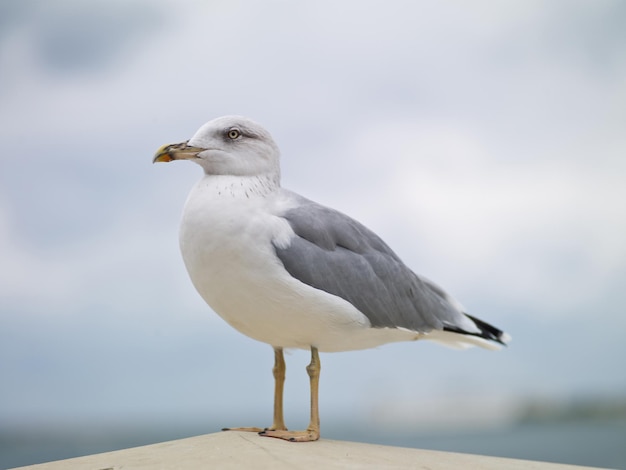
(229,145)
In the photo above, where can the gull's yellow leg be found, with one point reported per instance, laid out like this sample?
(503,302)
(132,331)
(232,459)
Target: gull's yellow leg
(279,385)
(279,382)
(312,433)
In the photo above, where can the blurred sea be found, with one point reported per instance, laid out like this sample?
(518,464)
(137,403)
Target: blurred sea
(599,443)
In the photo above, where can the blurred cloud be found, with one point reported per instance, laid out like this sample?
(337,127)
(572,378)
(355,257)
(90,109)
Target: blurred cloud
(72,37)
(483,141)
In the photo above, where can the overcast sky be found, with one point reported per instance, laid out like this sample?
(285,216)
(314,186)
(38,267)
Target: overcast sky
(483,141)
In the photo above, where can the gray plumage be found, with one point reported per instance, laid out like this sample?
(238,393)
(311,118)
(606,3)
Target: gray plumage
(335,253)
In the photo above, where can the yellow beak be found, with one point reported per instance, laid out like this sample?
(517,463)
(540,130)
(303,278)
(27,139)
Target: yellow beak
(181,151)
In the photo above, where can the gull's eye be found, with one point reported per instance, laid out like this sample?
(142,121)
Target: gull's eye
(234,133)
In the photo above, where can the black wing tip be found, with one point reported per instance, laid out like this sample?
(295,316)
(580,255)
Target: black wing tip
(490,332)
(487,331)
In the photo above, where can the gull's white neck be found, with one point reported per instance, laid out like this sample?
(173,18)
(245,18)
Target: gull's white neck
(238,187)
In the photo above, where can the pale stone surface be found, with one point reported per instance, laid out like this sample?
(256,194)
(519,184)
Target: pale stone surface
(237,450)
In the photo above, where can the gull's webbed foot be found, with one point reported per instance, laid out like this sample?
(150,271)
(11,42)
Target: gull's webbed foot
(293,436)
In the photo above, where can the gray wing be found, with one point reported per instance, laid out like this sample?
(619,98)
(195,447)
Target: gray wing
(338,255)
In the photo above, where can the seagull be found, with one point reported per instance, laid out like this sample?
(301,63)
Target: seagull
(292,273)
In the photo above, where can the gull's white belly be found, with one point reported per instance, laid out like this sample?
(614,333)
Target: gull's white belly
(227,248)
